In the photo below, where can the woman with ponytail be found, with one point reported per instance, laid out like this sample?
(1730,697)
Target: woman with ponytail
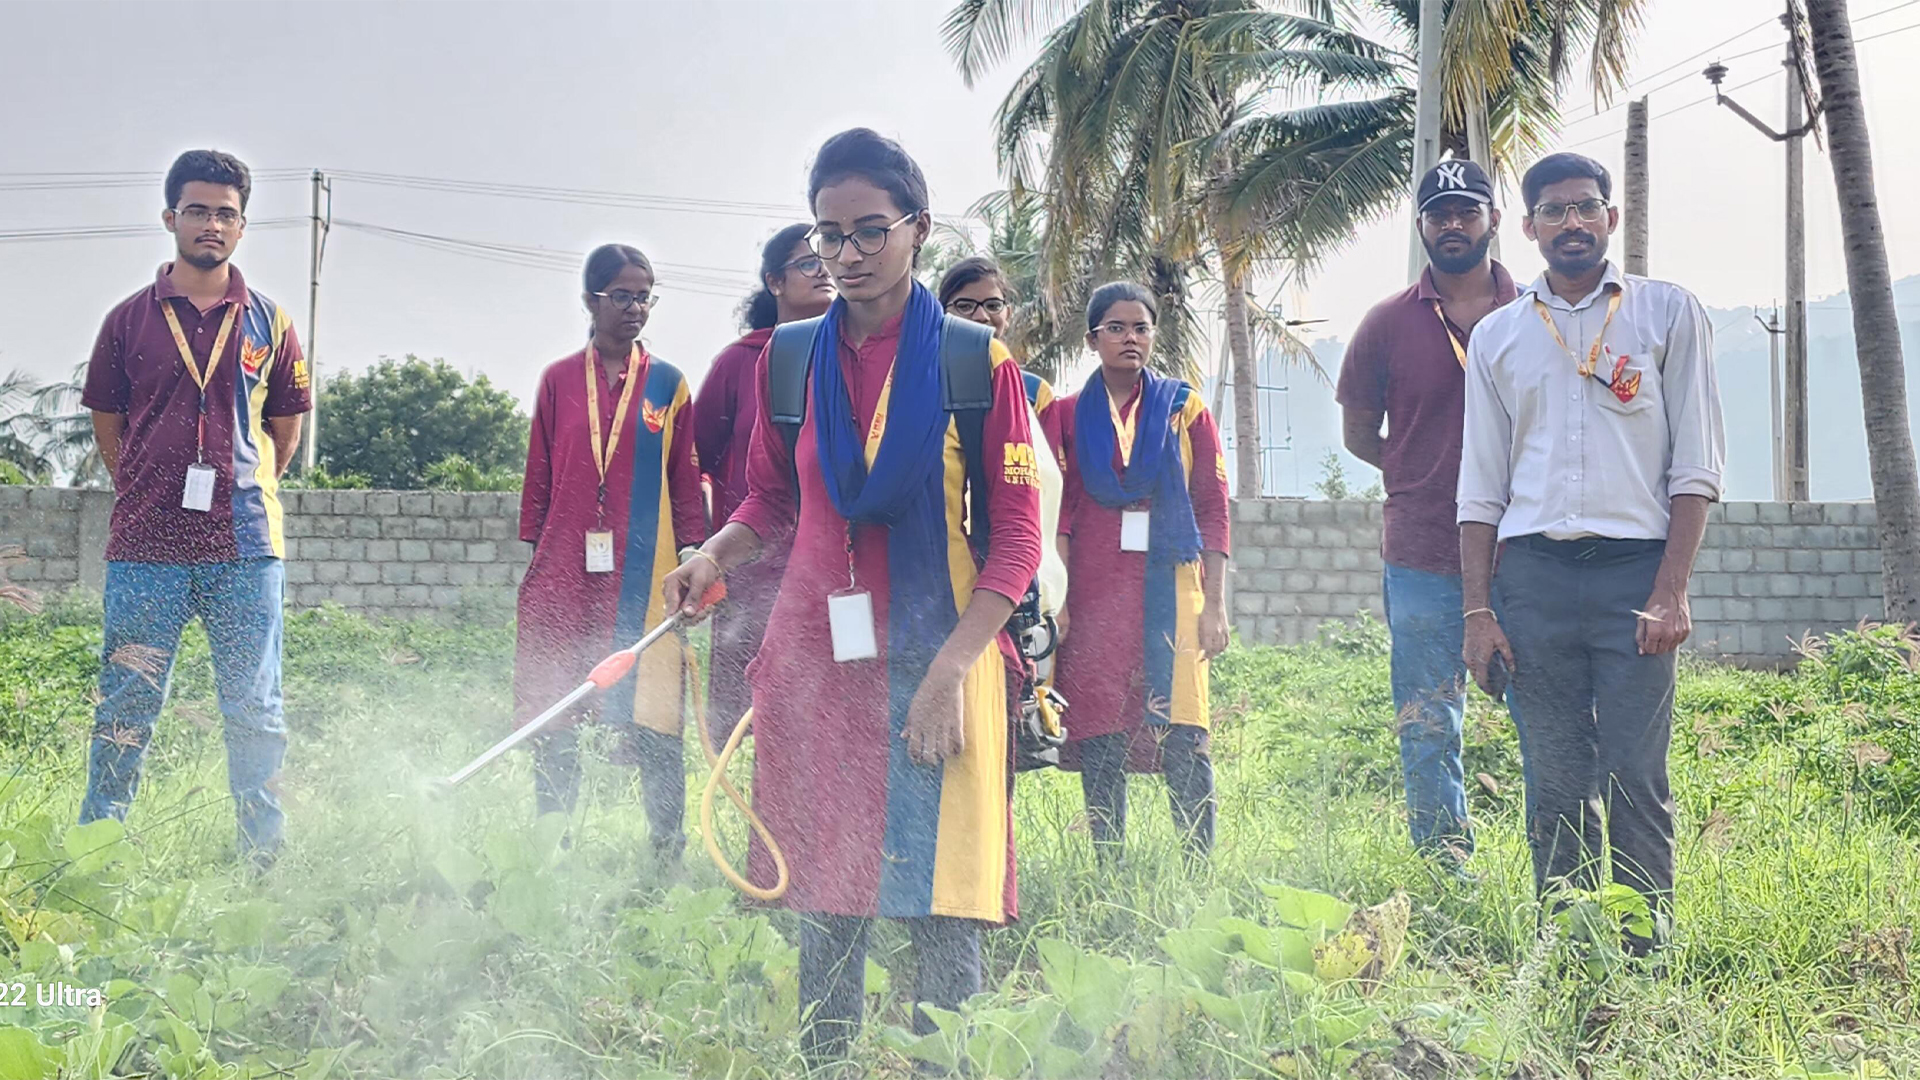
(611,493)
(880,717)
(793,285)
(1144,533)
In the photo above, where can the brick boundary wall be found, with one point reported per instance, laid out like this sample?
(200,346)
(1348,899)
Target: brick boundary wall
(1768,573)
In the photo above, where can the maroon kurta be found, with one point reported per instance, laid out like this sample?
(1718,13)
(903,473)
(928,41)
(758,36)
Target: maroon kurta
(1101,668)
(566,615)
(723,431)
(821,739)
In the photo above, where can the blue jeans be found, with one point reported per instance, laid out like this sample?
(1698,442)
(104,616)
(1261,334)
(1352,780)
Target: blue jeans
(1429,697)
(147,605)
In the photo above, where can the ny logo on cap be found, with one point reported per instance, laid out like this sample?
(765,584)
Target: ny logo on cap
(1452,175)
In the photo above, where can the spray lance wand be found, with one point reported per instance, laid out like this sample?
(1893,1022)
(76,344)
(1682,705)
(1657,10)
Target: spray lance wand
(603,677)
(606,673)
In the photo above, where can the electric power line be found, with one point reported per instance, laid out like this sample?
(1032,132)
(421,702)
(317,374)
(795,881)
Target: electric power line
(111,232)
(565,262)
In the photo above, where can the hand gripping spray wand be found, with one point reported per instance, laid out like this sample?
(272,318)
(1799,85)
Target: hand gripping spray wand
(603,676)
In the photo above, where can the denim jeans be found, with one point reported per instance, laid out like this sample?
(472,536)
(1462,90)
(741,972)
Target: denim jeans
(1429,697)
(147,606)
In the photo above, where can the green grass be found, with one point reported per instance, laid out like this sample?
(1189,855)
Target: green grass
(410,937)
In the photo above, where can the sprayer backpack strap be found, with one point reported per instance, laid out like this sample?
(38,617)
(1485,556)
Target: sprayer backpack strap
(966,392)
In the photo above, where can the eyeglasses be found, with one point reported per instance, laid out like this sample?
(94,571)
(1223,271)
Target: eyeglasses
(197,215)
(1118,331)
(1459,214)
(966,308)
(621,299)
(808,265)
(868,240)
(1553,213)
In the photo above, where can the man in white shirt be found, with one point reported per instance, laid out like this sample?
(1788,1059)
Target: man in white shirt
(1592,449)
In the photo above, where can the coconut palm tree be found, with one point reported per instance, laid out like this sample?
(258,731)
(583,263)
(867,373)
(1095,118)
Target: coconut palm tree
(1134,122)
(45,433)
(1876,321)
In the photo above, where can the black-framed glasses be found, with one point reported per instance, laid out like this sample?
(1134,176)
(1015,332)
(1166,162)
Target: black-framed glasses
(621,299)
(1555,213)
(867,240)
(197,215)
(1118,331)
(965,308)
(808,265)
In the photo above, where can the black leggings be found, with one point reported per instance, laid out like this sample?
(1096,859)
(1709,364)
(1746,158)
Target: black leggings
(663,779)
(833,976)
(1184,761)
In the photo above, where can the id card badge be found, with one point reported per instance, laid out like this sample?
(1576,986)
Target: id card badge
(600,552)
(199,492)
(850,618)
(1133,530)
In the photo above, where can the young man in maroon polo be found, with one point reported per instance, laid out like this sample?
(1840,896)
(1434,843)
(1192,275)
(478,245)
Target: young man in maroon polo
(1406,366)
(197,387)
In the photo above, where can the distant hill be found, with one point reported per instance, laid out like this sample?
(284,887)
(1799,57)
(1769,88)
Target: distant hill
(1838,450)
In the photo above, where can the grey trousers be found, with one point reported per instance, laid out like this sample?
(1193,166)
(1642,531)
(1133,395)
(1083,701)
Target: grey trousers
(833,976)
(663,779)
(1594,715)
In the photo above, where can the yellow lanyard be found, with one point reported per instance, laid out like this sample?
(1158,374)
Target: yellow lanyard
(1123,429)
(1593,354)
(193,366)
(1459,351)
(879,426)
(603,457)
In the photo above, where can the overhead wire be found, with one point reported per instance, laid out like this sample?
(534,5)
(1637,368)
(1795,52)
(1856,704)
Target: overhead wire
(112,232)
(566,262)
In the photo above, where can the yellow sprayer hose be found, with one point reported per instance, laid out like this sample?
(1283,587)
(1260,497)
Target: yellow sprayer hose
(717,779)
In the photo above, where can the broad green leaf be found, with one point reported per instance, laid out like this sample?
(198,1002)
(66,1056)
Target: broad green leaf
(95,845)
(24,1057)
(878,981)
(460,869)
(1094,987)
(42,957)
(258,986)
(1294,948)
(1252,938)
(524,904)
(1308,910)
(935,1049)
(6,855)
(1200,953)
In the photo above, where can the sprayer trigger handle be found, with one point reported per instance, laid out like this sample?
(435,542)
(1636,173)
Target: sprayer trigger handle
(713,595)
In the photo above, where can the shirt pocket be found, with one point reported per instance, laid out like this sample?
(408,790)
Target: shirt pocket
(1627,382)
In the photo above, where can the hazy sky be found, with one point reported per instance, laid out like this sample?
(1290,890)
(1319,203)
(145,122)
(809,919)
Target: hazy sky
(717,101)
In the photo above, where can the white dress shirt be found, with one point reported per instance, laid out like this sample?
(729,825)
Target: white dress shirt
(1547,450)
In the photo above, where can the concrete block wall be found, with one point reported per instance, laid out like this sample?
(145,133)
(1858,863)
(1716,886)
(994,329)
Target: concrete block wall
(1768,573)
(391,553)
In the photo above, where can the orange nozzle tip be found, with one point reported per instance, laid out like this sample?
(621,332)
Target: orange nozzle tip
(612,669)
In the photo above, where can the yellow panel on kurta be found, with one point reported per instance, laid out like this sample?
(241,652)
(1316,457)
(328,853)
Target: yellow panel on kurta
(970,854)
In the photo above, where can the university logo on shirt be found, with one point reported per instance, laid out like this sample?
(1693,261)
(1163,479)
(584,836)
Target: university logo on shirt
(655,416)
(252,354)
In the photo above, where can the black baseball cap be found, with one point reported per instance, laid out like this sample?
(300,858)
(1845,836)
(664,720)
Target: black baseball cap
(1456,177)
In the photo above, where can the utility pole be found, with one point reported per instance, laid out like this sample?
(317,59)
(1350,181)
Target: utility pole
(1426,123)
(1775,442)
(1799,125)
(316,248)
(1636,185)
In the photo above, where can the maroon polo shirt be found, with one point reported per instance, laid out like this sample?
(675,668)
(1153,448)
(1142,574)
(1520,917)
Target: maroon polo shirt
(136,369)
(1400,363)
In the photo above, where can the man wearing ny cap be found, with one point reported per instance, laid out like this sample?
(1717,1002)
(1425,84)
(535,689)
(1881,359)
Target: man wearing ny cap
(1594,445)
(1405,366)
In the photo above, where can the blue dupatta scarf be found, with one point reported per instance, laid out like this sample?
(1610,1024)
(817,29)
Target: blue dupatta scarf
(905,491)
(1156,474)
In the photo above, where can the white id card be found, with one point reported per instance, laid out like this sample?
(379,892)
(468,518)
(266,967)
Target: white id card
(199,493)
(850,616)
(600,552)
(1133,530)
